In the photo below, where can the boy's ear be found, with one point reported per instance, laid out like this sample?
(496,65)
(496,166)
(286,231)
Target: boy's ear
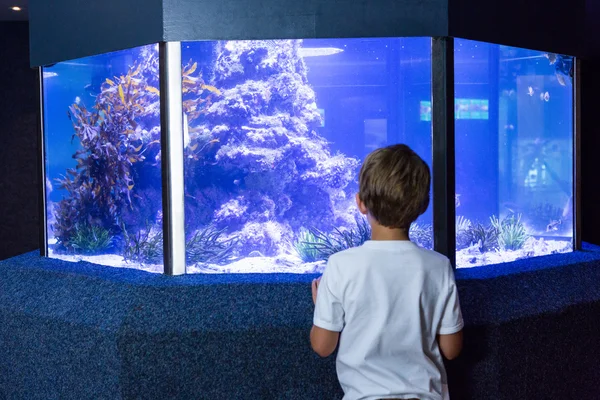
(361,206)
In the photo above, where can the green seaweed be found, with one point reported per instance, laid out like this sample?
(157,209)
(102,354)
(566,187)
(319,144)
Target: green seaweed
(146,246)
(512,234)
(206,246)
(327,244)
(463,237)
(304,246)
(88,239)
(421,234)
(484,236)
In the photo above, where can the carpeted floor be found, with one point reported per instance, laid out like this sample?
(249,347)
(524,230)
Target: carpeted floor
(81,331)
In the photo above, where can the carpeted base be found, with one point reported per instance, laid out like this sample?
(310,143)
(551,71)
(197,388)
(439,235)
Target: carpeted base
(80,331)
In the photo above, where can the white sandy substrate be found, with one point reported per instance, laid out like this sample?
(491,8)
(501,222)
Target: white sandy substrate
(279,264)
(472,257)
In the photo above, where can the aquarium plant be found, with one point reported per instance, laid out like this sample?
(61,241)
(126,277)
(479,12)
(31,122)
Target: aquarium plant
(318,245)
(511,232)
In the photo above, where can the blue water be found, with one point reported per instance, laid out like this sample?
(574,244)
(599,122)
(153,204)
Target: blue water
(515,163)
(275,132)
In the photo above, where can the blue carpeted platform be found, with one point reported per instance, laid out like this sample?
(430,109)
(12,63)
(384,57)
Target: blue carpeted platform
(81,331)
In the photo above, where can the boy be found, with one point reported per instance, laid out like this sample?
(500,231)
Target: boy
(395,304)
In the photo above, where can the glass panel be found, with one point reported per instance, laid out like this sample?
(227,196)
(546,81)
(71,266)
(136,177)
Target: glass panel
(102,143)
(514,159)
(274,136)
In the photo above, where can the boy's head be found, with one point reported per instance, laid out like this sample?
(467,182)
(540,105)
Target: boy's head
(394,186)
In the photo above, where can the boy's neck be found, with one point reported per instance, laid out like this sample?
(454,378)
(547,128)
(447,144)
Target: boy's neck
(379,232)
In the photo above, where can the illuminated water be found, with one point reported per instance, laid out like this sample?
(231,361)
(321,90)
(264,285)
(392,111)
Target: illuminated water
(274,134)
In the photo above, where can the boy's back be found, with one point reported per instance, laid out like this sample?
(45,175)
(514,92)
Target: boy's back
(394,299)
(395,304)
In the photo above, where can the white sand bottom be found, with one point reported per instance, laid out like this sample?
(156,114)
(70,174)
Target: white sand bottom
(472,257)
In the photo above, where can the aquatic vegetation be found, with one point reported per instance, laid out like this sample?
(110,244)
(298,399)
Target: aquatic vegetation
(512,234)
(421,234)
(207,246)
(305,246)
(326,244)
(484,237)
(146,246)
(117,137)
(463,237)
(89,240)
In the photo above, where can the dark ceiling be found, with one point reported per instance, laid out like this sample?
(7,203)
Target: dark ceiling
(7,14)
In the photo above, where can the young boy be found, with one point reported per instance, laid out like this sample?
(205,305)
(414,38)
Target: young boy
(395,304)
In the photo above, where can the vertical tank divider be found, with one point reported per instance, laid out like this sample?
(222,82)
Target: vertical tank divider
(577,229)
(43,224)
(171,125)
(442,125)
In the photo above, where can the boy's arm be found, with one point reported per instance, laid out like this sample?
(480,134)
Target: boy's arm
(323,342)
(328,317)
(450,335)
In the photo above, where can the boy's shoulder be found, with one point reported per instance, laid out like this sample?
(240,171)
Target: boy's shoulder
(355,254)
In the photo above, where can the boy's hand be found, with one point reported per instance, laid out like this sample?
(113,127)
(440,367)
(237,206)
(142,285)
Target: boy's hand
(315,288)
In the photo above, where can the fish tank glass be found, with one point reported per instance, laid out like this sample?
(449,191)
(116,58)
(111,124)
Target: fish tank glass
(102,159)
(514,153)
(275,132)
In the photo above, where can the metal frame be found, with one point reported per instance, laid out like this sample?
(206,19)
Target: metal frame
(172,156)
(43,222)
(577,209)
(442,125)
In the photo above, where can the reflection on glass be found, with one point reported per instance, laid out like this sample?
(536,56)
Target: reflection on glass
(274,134)
(514,163)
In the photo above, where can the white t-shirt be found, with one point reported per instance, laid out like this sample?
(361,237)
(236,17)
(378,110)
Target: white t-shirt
(390,299)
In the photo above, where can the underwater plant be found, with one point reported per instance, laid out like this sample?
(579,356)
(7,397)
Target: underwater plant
(206,246)
(117,136)
(305,248)
(485,237)
(88,239)
(463,238)
(421,234)
(512,234)
(146,246)
(325,245)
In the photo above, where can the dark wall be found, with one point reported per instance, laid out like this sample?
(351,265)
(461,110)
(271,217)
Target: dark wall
(590,127)
(18,143)
(281,19)
(67,29)
(549,25)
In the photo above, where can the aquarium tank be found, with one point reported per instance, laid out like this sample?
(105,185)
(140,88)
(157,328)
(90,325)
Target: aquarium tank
(514,153)
(274,134)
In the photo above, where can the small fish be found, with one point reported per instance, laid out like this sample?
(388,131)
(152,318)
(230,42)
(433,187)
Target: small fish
(130,187)
(509,127)
(551,57)
(545,96)
(530,91)
(553,225)
(561,79)
(236,182)
(77,100)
